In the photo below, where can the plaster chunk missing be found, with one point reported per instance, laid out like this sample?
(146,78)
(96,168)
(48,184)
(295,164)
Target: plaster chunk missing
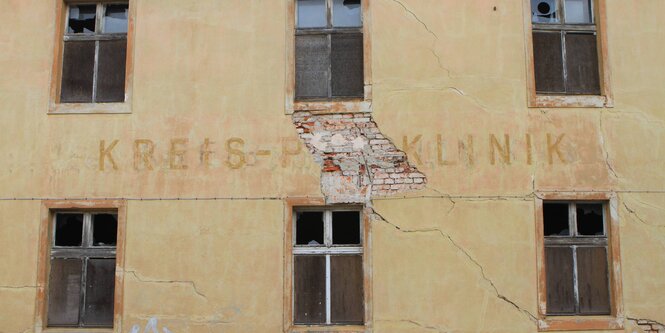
(357,161)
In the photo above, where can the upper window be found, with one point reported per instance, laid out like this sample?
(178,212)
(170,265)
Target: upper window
(94,53)
(565,47)
(576,258)
(328,268)
(329,50)
(81,282)
(569,66)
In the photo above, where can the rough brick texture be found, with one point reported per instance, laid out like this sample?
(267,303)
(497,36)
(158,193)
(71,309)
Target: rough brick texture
(357,161)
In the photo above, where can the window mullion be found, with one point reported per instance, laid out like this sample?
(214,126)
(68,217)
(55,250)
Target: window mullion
(327,228)
(575,281)
(572,223)
(328,291)
(564,64)
(84,279)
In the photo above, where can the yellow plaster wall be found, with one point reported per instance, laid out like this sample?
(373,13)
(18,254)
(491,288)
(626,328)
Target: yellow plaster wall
(442,70)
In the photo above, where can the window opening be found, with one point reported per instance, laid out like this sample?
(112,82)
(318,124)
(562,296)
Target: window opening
(328,277)
(94,55)
(576,261)
(565,47)
(329,49)
(82,271)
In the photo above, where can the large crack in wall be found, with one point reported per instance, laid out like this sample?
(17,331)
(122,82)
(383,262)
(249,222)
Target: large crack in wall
(357,161)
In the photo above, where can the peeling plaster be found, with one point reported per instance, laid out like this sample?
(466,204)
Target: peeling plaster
(357,161)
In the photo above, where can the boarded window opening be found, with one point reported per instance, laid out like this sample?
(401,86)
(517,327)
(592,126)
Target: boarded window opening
(94,54)
(329,50)
(328,283)
(81,280)
(576,262)
(565,51)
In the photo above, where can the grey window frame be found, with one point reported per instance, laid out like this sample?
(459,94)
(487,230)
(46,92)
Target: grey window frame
(84,252)
(563,29)
(97,36)
(574,241)
(327,249)
(328,31)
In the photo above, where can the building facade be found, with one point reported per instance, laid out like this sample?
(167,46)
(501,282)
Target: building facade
(332,166)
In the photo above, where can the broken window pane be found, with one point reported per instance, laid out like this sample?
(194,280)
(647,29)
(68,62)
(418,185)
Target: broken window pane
(99,289)
(312,66)
(111,71)
(578,11)
(346,13)
(312,14)
(68,229)
(77,72)
(82,19)
(548,62)
(555,219)
(104,229)
(590,219)
(592,281)
(559,281)
(64,292)
(346,290)
(309,228)
(309,286)
(346,228)
(347,65)
(115,18)
(582,64)
(545,11)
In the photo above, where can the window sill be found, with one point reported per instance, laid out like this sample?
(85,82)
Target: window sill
(579,323)
(76,330)
(343,106)
(576,101)
(90,108)
(325,329)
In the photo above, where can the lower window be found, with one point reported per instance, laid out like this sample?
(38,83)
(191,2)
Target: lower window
(576,258)
(81,281)
(328,267)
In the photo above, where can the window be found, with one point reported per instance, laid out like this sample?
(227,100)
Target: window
(94,53)
(329,50)
(81,281)
(569,59)
(579,264)
(328,284)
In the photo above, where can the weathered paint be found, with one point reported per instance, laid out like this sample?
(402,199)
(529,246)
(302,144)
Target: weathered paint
(209,154)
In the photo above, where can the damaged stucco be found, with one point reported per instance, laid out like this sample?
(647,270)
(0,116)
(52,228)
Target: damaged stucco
(357,161)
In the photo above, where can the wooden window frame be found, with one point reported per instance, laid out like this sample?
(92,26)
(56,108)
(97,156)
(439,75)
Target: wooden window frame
(299,204)
(55,107)
(604,100)
(614,321)
(48,210)
(340,105)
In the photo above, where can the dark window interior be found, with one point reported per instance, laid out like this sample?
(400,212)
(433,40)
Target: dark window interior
(590,219)
(548,62)
(111,71)
(346,227)
(82,19)
(78,66)
(309,228)
(68,229)
(555,219)
(104,229)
